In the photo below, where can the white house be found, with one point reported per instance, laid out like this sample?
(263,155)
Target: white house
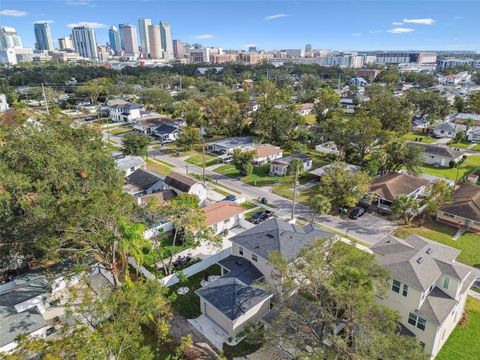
(447,130)
(223,215)
(3,103)
(473,135)
(265,153)
(129,164)
(279,167)
(428,288)
(167,133)
(226,146)
(438,155)
(126,112)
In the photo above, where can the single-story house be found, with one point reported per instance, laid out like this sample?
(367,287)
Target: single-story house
(226,146)
(279,167)
(306,108)
(186,184)
(438,155)
(321,170)
(384,189)
(474,176)
(129,164)
(167,133)
(420,123)
(160,197)
(264,153)
(328,147)
(464,209)
(473,135)
(348,104)
(142,182)
(149,125)
(447,130)
(223,215)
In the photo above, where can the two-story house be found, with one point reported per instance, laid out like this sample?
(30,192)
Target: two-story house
(128,112)
(236,299)
(427,287)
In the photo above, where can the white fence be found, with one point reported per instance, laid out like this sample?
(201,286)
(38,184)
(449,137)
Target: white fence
(189,271)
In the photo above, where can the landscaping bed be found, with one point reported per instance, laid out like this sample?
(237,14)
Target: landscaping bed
(188,305)
(463,341)
(468,243)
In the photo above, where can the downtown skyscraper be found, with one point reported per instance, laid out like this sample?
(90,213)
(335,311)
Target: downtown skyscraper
(156,49)
(143,25)
(114,38)
(85,41)
(167,45)
(43,36)
(130,40)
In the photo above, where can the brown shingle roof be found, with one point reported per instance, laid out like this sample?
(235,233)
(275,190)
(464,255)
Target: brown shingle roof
(393,184)
(265,150)
(161,197)
(465,203)
(180,182)
(221,211)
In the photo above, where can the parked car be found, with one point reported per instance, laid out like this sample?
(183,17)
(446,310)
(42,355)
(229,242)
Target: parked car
(230,198)
(261,216)
(356,213)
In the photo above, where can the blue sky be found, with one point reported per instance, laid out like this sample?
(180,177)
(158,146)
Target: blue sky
(269,24)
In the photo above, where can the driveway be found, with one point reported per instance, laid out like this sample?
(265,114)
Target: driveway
(208,329)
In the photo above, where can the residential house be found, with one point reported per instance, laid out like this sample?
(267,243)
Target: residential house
(167,133)
(252,105)
(26,301)
(105,108)
(428,288)
(279,167)
(474,176)
(359,82)
(186,184)
(348,104)
(226,146)
(159,197)
(328,147)
(265,153)
(236,299)
(223,216)
(473,135)
(455,79)
(306,109)
(384,189)
(125,112)
(368,73)
(438,155)
(445,130)
(465,119)
(463,211)
(148,125)
(321,171)
(129,164)
(142,182)
(420,123)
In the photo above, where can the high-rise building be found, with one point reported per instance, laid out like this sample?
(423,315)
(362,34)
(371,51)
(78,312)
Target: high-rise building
(252,48)
(9,39)
(155,37)
(308,50)
(166,39)
(114,38)
(65,43)
(43,36)
(143,25)
(85,41)
(130,39)
(178,49)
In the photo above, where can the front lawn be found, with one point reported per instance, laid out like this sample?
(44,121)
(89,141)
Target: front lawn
(188,305)
(120,130)
(198,160)
(470,164)
(457,145)
(154,166)
(468,243)
(418,137)
(463,341)
(286,190)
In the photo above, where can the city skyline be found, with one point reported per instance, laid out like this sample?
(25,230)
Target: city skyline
(367,25)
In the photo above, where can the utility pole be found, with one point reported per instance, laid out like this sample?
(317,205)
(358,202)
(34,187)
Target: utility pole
(202,132)
(338,86)
(45,99)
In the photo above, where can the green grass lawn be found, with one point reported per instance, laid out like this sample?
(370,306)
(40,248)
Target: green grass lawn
(463,341)
(165,163)
(120,130)
(286,190)
(247,205)
(418,137)
(111,147)
(470,164)
(198,160)
(188,305)
(457,145)
(154,166)
(310,119)
(476,147)
(468,243)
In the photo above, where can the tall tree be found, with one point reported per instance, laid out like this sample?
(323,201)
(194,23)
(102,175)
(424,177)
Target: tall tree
(474,102)
(242,160)
(319,204)
(295,168)
(428,102)
(406,207)
(157,99)
(222,115)
(135,144)
(274,125)
(188,137)
(327,103)
(189,110)
(395,155)
(394,113)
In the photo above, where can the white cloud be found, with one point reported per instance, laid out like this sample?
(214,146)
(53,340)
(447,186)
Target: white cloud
(248,45)
(79,2)
(15,13)
(93,25)
(357,34)
(397,23)
(203,36)
(425,21)
(400,30)
(44,21)
(273,17)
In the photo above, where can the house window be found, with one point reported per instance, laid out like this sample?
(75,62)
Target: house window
(396,286)
(254,257)
(226,221)
(417,321)
(446,281)
(405,290)
(240,250)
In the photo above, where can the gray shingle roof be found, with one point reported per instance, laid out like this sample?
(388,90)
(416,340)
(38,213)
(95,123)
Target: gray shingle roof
(13,324)
(142,179)
(437,306)
(232,297)
(165,129)
(278,235)
(446,126)
(287,159)
(443,151)
(130,162)
(240,268)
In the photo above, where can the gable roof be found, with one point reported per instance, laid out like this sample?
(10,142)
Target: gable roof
(142,179)
(278,235)
(391,185)
(221,211)
(443,151)
(240,268)
(160,197)
(129,162)
(165,129)
(231,297)
(287,159)
(446,126)
(465,202)
(180,182)
(264,150)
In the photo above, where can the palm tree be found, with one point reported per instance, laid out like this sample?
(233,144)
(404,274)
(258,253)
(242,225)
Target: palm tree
(320,205)
(295,167)
(406,207)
